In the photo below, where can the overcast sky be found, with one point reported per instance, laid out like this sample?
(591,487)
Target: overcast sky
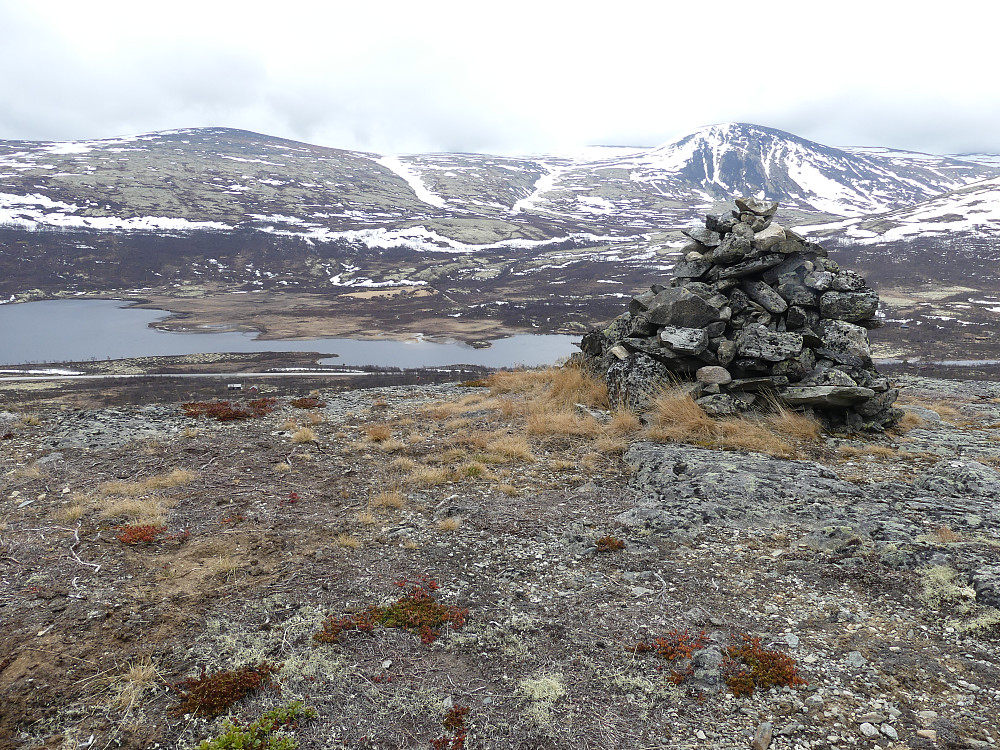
(503,77)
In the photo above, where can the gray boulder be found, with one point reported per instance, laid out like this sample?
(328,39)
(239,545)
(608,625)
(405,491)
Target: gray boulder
(763,343)
(849,306)
(677,306)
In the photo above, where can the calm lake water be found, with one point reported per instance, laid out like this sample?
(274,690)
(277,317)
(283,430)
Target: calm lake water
(79,330)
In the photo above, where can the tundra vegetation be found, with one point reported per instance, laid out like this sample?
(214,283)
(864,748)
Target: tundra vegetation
(460,565)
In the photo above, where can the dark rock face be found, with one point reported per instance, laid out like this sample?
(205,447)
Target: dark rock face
(757,301)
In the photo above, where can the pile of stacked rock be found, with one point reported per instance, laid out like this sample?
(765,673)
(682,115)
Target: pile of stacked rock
(754,313)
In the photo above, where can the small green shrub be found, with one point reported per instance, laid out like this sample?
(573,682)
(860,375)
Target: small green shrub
(260,733)
(211,694)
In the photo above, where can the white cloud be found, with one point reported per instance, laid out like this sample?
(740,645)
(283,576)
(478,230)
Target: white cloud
(516,76)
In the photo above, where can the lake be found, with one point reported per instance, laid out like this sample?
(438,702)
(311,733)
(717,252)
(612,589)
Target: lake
(80,330)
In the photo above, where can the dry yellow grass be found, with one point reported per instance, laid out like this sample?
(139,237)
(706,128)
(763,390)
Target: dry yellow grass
(560,386)
(390,498)
(377,432)
(304,435)
(511,447)
(623,423)
(30,420)
(348,541)
(611,444)
(282,467)
(289,425)
(564,422)
(452,523)
(128,689)
(743,434)
(508,489)
(403,463)
(561,464)
(426,476)
(32,471)
(909,421)
(175,478)
(367,518)
(70,513)
(391,445)
(314,417)
(190,432)
(793,425)
(474,470)
(676,417)
(152,511)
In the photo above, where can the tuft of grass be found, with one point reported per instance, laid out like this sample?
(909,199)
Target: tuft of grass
(377,433)
(367,518)
(190,432)
(282,467)
(675,417)
(348,541)
(565,422)
(403,463)
(304,435)
(556,386)
(70,513)
(391,498)
(289,425)
(175,478)
(743,434)
(793,425)
(139,677)
(474,470)
(511,447)
(391,445)
(909,421)
(452,523)
(508,489)
(429,477)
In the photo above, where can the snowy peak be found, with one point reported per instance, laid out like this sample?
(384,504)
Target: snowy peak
(741,159)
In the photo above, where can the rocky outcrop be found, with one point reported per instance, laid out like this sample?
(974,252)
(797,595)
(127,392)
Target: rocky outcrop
(753,313)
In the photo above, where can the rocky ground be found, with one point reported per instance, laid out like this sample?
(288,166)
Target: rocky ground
(871,562)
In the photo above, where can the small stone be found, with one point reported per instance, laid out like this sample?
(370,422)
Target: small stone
(927,734)
(619,351)
(762,736)
(855,659)
(927,717)
(701,735)
(868,730)
(714,374)
(889,731)
(792,640)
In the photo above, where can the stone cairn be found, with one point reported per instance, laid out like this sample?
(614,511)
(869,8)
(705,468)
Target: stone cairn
(755,314)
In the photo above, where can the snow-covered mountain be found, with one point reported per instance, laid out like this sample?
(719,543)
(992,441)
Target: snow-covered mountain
(213,191)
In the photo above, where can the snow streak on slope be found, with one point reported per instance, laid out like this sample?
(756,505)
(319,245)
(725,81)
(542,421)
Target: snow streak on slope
(34,212)
(413,180)
(545,184)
